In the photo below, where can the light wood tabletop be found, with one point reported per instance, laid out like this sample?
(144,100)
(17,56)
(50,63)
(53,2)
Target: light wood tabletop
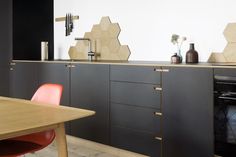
(20,117)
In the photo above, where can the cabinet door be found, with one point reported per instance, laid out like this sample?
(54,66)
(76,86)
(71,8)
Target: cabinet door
(23,80)
(136,141)
(57,73)
(6,45)
(90,90)
(6,32)
(4,81)
(187,112)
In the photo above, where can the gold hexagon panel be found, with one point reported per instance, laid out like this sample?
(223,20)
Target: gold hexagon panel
(105,43)
(230,32)
(229,52)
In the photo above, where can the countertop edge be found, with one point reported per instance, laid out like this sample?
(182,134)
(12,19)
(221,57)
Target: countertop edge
(133,63)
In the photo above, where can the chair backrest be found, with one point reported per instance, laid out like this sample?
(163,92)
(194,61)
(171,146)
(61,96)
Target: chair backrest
(49,94)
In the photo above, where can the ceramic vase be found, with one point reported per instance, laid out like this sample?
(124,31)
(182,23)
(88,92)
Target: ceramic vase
(192,54)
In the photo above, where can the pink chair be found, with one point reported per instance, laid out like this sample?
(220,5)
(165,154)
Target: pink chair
(47,93)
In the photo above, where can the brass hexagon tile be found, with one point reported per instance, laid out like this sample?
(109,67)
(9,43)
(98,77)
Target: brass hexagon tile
(88,35)
(230,52)
(230,32)
(114,45)
(105,43)
(114,56)
(96,32)
(105,38)
(114,30)
(105,53)
(75,54)
(97,45)
(105,23)
(82,46)
(124,52)
(216,57)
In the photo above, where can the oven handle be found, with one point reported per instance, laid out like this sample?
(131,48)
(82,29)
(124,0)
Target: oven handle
(225,83)
(227,98)
(225,80)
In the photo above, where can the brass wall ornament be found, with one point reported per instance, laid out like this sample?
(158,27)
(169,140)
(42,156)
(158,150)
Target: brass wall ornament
(104,41)
(229,52)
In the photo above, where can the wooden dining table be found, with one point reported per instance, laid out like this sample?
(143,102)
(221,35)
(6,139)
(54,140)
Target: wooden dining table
(21,117)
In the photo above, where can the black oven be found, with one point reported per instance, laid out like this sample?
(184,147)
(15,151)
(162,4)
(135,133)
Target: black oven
(225,115)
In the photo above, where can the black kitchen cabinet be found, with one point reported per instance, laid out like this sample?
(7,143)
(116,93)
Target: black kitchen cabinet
(6,44)
(137,74)
(135,109)
(134,128)
(90,90)
(23,80)
(187,106)
(56,73)
(136,141)
(155,111)
(6,32)
(138,94)
(4,81)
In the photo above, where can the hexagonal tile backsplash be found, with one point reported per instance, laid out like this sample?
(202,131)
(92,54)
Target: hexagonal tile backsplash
(105,43)
(229,52)
(230,32)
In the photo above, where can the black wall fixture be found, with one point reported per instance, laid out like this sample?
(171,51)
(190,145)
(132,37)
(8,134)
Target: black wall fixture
(32,23)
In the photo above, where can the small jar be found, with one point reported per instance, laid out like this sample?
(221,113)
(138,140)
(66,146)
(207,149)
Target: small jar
(175,59)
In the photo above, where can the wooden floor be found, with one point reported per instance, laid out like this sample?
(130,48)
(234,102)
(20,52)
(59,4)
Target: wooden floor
(83,148)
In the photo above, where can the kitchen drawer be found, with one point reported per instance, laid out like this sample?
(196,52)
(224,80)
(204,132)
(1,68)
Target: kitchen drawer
(140,74)
(136,118)
(135,141)
(225,72)
(135,94)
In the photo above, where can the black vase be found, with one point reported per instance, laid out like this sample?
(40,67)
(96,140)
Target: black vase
(191,55)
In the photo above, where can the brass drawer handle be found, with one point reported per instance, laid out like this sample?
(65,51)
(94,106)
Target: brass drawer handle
(12,63)
(157,88)
(158,70)
(165,70)
(158,138)
(70,66)
(157,113)
(161,70)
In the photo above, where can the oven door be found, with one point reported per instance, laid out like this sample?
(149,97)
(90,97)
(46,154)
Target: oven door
(225,117)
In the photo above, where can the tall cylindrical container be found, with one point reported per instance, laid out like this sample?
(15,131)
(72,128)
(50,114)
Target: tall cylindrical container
(44,50)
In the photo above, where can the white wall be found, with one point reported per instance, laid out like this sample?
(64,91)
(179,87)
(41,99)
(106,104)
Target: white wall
(147,25)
